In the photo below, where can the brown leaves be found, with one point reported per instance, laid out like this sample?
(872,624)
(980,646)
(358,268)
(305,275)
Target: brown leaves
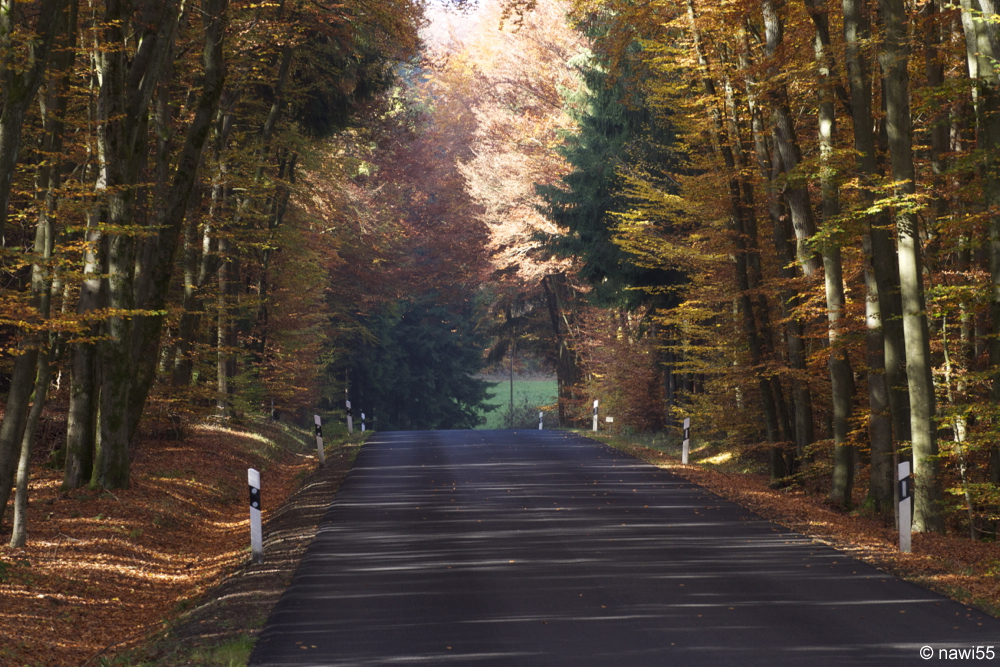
(104,568)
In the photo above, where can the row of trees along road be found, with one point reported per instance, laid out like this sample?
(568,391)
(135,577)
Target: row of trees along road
(164,230)
(776,216)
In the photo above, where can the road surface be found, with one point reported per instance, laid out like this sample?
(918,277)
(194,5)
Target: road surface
(546,548)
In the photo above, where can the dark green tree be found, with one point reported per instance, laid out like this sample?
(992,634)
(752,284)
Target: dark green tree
(415,372)
(618,132)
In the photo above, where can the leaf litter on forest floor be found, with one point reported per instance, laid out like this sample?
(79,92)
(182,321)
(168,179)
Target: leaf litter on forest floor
(102,570)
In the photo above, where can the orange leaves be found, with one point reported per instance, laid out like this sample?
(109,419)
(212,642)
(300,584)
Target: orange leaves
(103,569)
(624,371)
(514,81)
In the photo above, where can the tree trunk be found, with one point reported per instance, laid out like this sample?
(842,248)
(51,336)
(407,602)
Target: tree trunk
(557,290)
(279,206)
(127,84)
(48,180)
(982,51)
(200,265)
(157,276)
(894,58)
(17,92)
(784,160)
(84,388)
(15,419)
(190,306)
(886,371)
(882,473)
(19,535)
(786,143)
(123,394)
(738,199)
(769,164)
(222,338)
(841,377)
(81,421)
(18,84)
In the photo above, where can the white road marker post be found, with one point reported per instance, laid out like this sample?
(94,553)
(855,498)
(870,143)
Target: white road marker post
(596,402)
(362,422)
(256,536)
(350,418)
(319,440)
(686,447)
(905,492)
(540,420)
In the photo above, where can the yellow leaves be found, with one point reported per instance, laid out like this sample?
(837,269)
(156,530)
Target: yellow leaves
(16,312)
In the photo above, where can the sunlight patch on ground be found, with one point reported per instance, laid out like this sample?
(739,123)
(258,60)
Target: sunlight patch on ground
(718,459)
(106,566)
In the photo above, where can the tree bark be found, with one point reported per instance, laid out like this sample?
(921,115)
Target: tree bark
(883,310)
(557,288)
(128,81)
(62,28)
(982,51)
(894,58)
(130,342)
(881,473)
(786,143)
(18,84)
(785,157)
(84,388)
(19,534)
(841,377)
(222,330)
(15,419)
(17,91)
(747,228)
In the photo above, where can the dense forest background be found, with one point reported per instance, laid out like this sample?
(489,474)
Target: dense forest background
(776,217)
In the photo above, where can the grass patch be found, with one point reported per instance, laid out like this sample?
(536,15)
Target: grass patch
(232,653)
(534,392)
(712,454)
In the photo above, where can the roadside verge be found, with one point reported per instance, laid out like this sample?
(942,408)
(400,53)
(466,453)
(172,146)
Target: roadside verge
(222,627)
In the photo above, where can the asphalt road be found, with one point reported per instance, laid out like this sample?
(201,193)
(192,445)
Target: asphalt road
(545,548)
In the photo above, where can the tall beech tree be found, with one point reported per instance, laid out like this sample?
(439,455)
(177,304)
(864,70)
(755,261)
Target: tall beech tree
(894,59)
(982,50)
(884,339)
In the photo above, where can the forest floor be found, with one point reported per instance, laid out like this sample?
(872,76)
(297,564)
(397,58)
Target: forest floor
(122,578)
(953,565)
(159,574)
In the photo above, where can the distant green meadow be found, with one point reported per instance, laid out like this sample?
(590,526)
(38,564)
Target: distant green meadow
(537,392)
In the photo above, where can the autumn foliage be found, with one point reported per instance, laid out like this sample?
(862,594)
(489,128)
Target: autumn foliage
(168,256)
(777,217)
(800,197)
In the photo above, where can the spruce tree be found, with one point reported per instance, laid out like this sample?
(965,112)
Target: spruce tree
(618,131)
